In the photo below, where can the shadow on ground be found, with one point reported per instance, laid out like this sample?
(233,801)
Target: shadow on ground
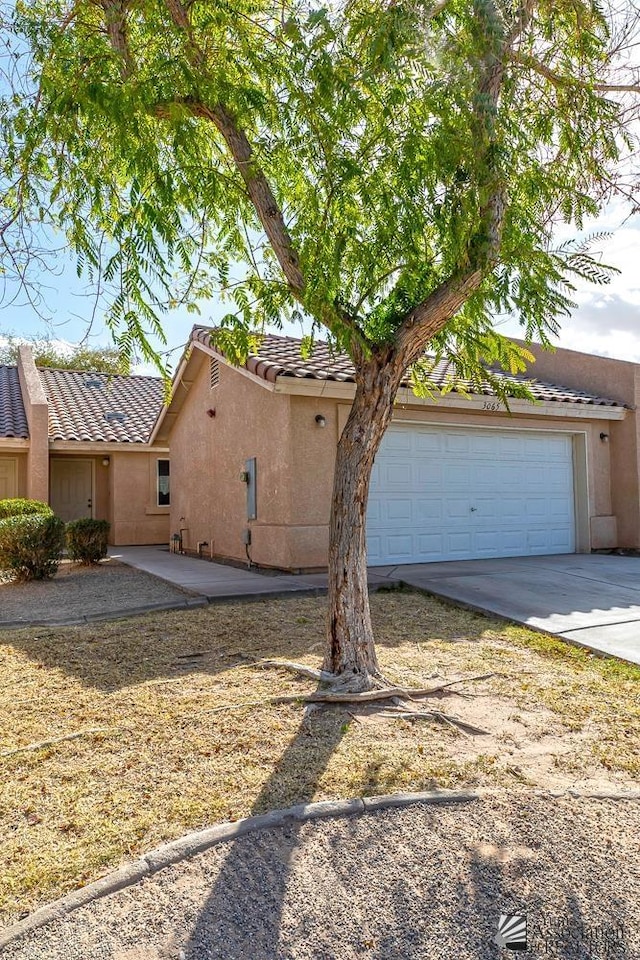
(428,883)
(227,921)
(112,655)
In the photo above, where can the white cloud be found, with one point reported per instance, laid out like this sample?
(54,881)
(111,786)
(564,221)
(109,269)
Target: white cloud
(606,320)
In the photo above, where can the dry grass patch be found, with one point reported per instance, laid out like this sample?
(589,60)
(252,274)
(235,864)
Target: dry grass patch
(167,759)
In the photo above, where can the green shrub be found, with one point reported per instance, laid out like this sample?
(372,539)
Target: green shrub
(30,546)
(87,540)
(18,507)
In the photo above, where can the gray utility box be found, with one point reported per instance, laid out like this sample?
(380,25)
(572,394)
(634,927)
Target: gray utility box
(252,502)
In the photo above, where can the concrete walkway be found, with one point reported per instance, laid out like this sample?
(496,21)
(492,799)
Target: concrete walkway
(589,599)
(218,581)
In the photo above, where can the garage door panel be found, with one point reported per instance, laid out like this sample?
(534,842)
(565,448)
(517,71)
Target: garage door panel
(399,510)
(486,509)
(400,442)
(511,508)
(456,509)
(430,545)
(459,543)
(457,475)
(457,443)
(559,507)
(427,443)
(428,510)
(401,546)
(558,447)
(483,446)
(558,476)
(442,493)
(427,473)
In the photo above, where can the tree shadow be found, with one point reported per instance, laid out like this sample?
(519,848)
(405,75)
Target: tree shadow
(450,903)
(113,655)
(257,867)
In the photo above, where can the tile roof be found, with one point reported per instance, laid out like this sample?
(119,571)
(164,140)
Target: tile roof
(13,420)
(97,407)
(280,357)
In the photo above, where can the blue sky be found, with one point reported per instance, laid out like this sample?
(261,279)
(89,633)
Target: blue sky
(606,321)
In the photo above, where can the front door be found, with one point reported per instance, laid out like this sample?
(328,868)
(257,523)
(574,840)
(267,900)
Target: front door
(7,478)
(71,488)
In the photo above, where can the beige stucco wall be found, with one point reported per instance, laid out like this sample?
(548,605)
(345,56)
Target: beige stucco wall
(295,465)
(133,513)
(208,498)
(620,381)
(36,410)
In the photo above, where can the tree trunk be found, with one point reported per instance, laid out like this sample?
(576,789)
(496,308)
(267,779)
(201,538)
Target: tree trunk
(351,653)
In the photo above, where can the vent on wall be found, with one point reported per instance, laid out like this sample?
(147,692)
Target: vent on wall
(214,372)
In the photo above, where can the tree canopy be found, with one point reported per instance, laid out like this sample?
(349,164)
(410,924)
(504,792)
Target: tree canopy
(345,162)
(47,353)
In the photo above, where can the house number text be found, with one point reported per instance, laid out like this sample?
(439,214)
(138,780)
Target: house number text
(491,405)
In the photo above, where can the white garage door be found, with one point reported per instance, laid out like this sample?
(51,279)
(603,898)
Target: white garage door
(457,494)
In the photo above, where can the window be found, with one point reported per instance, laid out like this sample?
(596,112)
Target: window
(214,372)
(164,490)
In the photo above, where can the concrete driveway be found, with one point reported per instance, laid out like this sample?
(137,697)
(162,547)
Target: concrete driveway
(589,599)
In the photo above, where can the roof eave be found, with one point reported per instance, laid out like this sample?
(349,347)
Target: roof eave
(14,443)
(478,403)
(102,447)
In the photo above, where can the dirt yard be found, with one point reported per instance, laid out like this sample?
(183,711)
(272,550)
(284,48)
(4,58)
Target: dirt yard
(117,736)
(105,589)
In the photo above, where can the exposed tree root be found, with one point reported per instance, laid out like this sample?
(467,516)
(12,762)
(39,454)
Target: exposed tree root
(403,711)
(347,688)
(322,676)
(343,691)
(398,696)
(42,744)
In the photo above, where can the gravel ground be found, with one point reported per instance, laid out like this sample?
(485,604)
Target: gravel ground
(76,592)
(420,882)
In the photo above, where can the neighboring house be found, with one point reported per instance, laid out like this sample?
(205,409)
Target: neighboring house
(81,442)
(253,453)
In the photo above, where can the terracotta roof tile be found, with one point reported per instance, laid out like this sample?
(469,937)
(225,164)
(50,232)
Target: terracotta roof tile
(96,407)
(280,357)
(13,421)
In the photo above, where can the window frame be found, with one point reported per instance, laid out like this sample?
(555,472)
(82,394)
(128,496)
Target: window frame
(160,460)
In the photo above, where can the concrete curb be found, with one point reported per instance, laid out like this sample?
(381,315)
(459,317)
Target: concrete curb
(120,614)
(197,842)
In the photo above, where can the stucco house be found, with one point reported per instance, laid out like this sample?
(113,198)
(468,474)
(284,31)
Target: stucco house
(253,452)
(81,441)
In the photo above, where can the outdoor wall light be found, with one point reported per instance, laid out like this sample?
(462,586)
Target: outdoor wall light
(106,461)
(604,437)
(321,420)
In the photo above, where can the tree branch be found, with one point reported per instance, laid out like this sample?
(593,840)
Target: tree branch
(115,20)
(526,60)
(429,317)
